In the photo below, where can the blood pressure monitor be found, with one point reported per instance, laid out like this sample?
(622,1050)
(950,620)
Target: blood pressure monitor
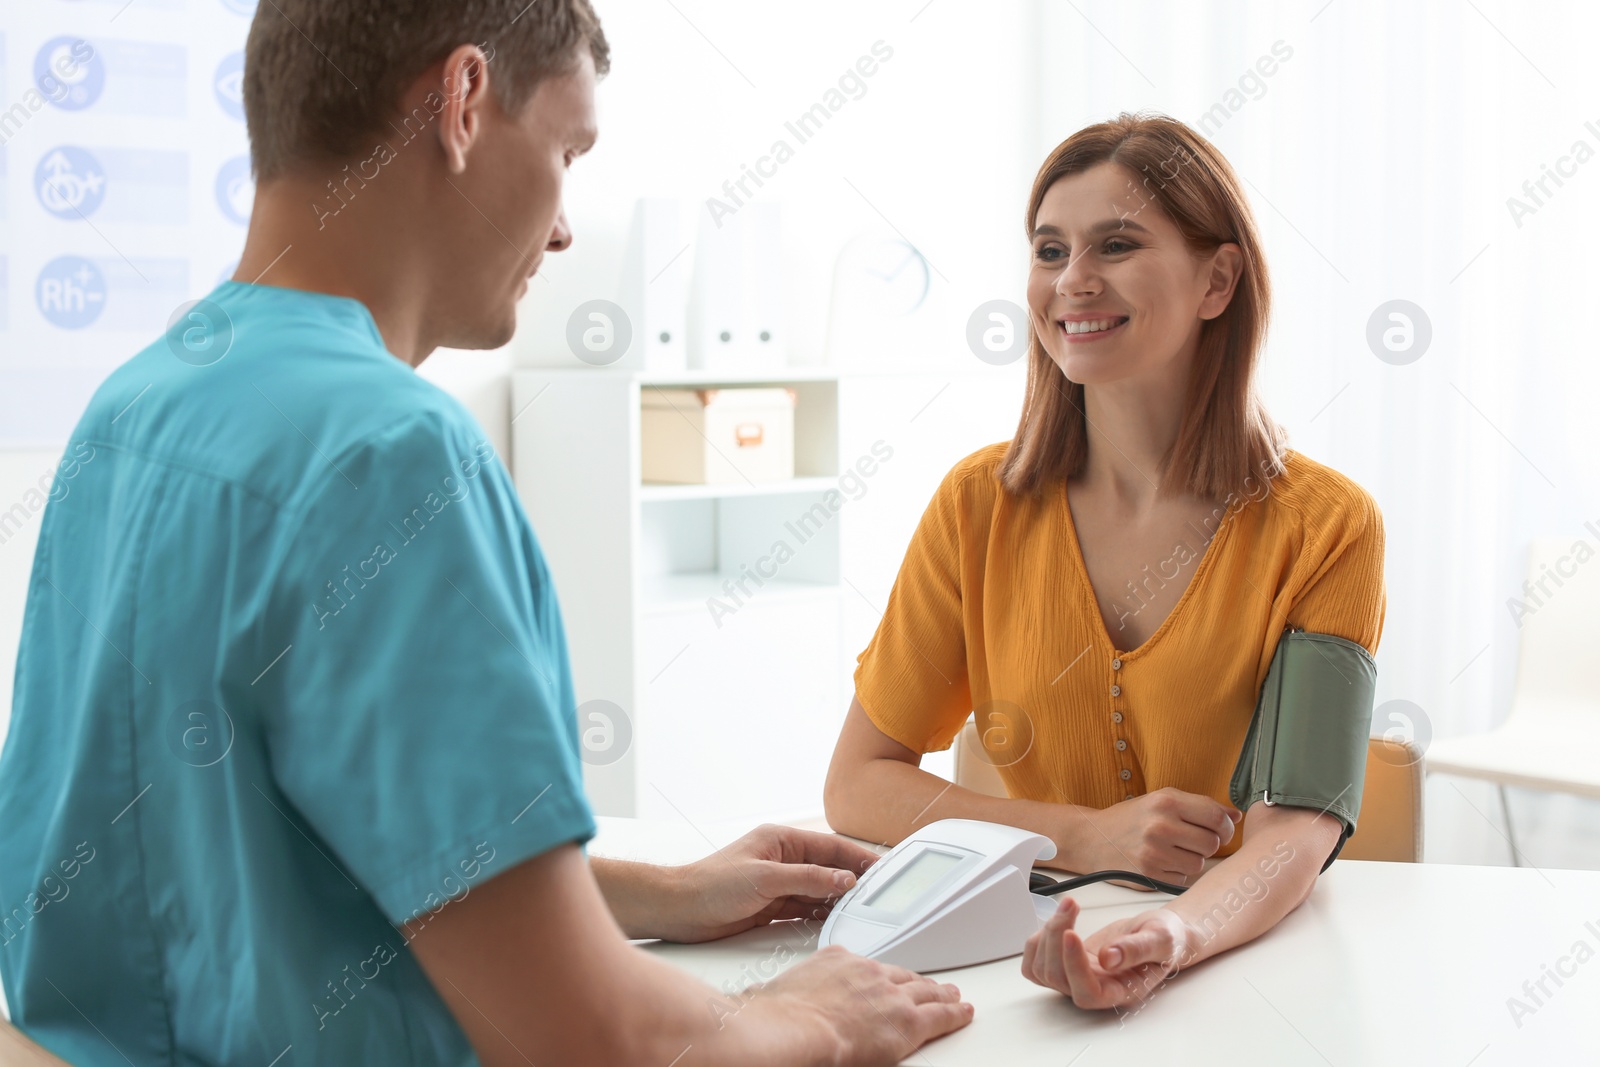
(953,894)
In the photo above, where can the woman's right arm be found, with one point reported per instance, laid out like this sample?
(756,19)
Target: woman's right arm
(877,791)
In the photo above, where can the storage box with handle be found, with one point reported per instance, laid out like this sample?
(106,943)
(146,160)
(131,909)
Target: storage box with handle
(717,436)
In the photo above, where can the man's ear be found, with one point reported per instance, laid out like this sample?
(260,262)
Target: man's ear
(466,95)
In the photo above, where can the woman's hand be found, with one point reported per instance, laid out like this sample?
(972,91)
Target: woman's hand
(1168,835)
(1121,964)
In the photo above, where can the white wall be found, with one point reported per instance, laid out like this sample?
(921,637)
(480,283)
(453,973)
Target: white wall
(937,148)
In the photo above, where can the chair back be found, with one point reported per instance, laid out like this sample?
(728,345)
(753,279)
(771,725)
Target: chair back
(972,770)
(1557,611)
(1390,826)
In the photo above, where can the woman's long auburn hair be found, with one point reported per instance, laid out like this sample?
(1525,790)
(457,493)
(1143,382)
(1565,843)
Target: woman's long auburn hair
(1226,440)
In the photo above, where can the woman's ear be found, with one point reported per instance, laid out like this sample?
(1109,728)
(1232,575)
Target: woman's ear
(465,95)
(1222,271)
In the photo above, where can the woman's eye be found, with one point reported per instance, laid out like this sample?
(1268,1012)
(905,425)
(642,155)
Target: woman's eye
(1115,247)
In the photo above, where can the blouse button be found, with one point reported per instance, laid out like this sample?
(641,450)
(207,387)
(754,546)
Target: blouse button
(1127,796)
(1126,774)
(1121,744)
(1116,716)
(1116,664)
(1116,690)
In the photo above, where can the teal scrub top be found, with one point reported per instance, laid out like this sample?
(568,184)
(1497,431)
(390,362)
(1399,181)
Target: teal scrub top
(292,681)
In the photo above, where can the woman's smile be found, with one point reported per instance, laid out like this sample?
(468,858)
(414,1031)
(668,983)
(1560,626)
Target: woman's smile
(1080,330)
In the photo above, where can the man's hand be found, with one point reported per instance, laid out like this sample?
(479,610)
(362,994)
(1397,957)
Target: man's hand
(544,926)
(1168,835)
(1120,964)
(869,1013)
(770,874)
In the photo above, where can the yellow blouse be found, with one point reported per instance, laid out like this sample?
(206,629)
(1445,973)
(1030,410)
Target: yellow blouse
(992,613)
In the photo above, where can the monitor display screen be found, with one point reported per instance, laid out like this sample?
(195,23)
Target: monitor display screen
(913,880)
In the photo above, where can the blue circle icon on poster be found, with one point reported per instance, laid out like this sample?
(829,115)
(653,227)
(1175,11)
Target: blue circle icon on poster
(69,182)
(71,292)
(228,85)
(236,190)
(68,73)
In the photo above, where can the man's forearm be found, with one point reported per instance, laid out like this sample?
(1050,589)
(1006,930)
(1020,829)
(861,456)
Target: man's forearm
(676,1018)
(1248,893)
(639,895)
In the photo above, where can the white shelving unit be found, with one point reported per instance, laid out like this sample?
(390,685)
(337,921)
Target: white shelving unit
(710,614)
(733,711)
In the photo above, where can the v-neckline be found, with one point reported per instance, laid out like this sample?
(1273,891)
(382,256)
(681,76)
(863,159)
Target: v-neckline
(1087,586)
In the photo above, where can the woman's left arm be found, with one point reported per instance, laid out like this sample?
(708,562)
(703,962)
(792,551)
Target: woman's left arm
(1239,899)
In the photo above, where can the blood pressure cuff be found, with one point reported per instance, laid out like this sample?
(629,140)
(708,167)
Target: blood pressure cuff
(1307,744)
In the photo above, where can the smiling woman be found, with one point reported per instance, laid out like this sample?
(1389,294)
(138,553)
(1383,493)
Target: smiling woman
(1130,178)
(1144,470)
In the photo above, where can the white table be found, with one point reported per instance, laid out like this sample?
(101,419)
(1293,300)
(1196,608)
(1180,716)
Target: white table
(1386,963)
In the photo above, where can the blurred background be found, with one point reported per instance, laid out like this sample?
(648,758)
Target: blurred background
(1423,174)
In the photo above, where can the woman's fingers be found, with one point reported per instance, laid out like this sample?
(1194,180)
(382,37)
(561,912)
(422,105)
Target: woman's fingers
(1052,965)
(1207,813)
(1148,944)
(1044,966)
(1201,840)
(1119,972)
(1047,962)
(1065,960)
(1183,862)
(1079,972)
(1065,918)
(1030,953)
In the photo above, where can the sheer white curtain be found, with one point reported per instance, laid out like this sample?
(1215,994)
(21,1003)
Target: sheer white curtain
(1380,155)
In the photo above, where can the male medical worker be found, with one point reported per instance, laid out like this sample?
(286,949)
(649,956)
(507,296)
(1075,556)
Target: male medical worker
(292,770)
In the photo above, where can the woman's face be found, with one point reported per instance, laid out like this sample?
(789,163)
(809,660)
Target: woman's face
(1114,292)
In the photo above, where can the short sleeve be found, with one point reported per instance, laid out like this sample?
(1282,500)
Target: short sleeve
(912,678)
(1339,571)
(422,718)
